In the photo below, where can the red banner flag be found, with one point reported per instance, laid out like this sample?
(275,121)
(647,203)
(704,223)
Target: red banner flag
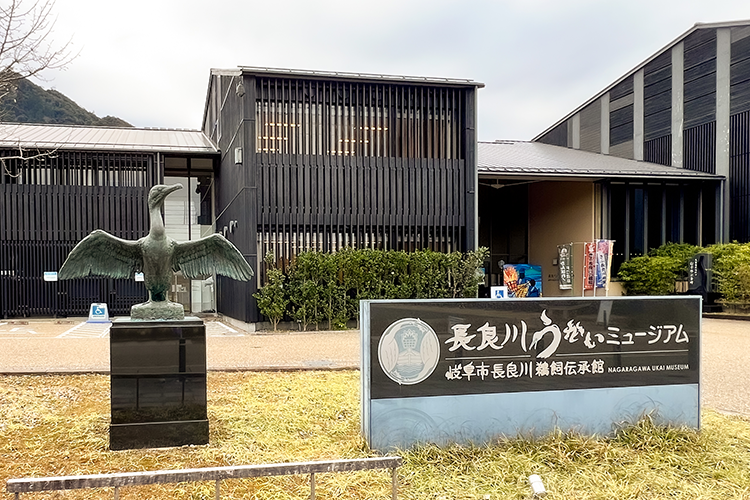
(589,265)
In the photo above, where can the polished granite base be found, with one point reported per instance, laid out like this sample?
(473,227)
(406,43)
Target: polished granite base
(158,383)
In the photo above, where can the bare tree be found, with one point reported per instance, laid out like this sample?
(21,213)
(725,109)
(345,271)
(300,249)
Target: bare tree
(27,48)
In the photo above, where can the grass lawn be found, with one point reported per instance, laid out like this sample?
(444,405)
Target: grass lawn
(58,425)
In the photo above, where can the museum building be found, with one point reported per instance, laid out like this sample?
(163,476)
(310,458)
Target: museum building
(286,161)
(686,106)
(290,160)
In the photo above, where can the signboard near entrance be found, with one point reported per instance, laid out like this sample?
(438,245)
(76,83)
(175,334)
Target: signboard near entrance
(443,371)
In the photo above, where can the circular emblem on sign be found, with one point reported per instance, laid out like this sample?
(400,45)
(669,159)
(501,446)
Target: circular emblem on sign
(408,351)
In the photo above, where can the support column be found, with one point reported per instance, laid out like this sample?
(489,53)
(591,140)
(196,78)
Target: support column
(471,174)
(575,128)
(645,219)
(638,125)
(678,101)
(723,59)
(605,124)
(663,213)
(628,194)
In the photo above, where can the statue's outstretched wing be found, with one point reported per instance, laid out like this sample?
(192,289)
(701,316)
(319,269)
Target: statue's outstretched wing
(212,254)
(101,254)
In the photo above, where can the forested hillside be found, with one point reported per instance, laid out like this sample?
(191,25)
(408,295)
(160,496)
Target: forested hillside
(27,102)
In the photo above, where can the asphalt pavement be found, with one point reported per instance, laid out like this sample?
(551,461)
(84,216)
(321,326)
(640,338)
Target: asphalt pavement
(74,346)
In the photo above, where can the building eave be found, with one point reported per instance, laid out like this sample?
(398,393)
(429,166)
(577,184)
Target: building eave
(538,160)
(47,137)
(365,77)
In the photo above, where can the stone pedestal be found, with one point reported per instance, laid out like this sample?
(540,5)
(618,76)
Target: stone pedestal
(158,383)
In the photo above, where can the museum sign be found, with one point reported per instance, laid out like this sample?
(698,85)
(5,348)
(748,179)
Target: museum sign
(470,370)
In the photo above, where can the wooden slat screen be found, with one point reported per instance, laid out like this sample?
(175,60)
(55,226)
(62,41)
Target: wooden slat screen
(325,204)
(658,150)
(700,78)
(699,145)
(336,118)
(739,176)
(47,206)
(657,98)
(354,164)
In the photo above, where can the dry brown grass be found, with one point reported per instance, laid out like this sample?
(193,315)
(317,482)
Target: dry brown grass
(58,425)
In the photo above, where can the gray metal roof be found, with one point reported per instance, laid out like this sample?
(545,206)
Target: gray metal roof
(340,75)
(535,159)
(696,26)
(13,135)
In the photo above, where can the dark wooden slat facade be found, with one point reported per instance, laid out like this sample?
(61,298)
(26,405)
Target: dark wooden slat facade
(47,206)
(657,104)
(558,136)
(700,78)
(658,150)
(645,215)
(695,118)
(739,91)
(621,113)
(699,148)
(330,163)
(739,176)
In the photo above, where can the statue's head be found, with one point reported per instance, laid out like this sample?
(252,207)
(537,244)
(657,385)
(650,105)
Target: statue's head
(158,193)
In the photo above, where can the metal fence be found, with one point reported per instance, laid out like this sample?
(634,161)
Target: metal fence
(216,474)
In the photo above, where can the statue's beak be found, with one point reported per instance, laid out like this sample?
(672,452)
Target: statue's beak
(159,193)
(167,191)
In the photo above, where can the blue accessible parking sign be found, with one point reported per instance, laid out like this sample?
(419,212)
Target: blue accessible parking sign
(98,313)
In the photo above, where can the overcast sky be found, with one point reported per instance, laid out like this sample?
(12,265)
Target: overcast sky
(148,61)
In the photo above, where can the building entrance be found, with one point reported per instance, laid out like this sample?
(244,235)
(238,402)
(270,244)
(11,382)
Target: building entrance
(188,216)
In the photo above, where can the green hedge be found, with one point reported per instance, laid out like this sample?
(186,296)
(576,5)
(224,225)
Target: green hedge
(656,273)
(325,288)
(732,266)
(649,275)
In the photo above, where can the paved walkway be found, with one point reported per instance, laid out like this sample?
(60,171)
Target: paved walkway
(63,346)
(72,345)
(725,365)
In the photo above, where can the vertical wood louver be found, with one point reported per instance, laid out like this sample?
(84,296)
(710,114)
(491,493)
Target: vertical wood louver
(739,172)
(335,160)
(354,164)
(47,206)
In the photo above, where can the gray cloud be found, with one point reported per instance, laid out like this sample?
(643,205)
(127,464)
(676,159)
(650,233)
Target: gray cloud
(148,61)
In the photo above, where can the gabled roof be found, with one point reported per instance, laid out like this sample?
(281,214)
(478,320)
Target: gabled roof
(32,136)
(696,27)
(536,159)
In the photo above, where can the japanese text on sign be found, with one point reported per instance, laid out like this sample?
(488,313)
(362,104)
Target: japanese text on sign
(573,332)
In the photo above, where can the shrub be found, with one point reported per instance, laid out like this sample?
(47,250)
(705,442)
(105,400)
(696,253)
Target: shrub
(743,283)
(323,286)
(656,273)
(272,298)
(731,265)
(305,288)
(428,275)
(683,252)
(465,272)
(650,275)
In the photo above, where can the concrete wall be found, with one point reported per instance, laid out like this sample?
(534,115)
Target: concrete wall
(562,212)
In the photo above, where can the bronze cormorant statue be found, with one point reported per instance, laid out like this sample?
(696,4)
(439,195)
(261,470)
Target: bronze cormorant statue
(157,256)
